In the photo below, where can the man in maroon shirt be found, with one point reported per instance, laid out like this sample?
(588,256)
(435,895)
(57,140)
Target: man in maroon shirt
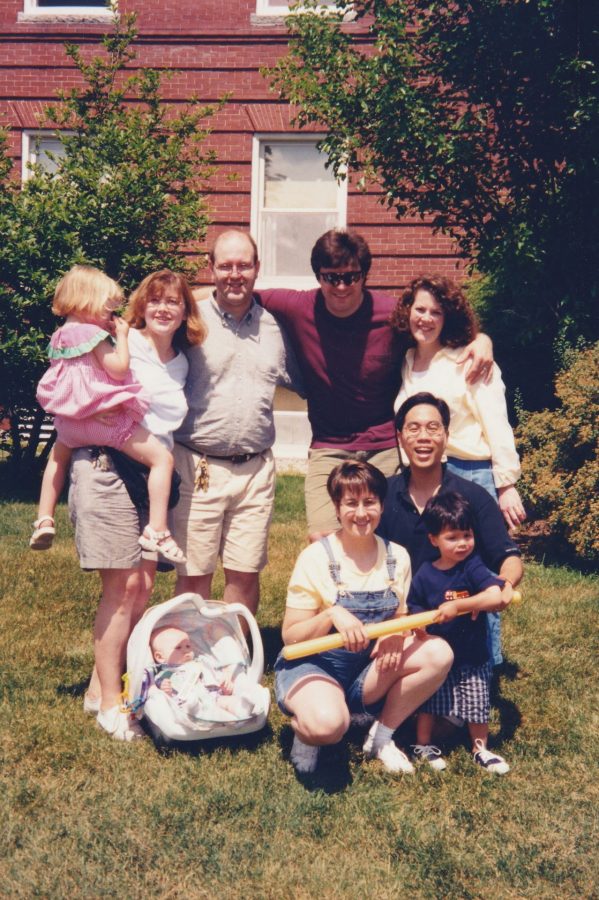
(350,359)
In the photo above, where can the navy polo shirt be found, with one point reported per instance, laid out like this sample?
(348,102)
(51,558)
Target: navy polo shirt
(402,523)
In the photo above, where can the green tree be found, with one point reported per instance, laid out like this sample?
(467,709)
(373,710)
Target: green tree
(126,196)
(484,116)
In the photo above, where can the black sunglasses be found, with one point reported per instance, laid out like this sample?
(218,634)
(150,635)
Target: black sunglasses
(335,278)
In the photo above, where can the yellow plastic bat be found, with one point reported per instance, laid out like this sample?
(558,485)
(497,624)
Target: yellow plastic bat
(379,629)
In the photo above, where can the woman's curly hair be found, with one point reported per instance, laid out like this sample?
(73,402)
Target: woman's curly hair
(460,325)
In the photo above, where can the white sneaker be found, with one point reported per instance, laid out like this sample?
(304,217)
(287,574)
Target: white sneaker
(303,756)
(91,705)
(393,759)
(430,754)
(492,762)
(122,726)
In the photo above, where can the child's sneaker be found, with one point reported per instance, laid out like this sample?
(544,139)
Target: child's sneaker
(303,756)
(492,762)
(430,754)
(120,725)
(43,534)
(393,759)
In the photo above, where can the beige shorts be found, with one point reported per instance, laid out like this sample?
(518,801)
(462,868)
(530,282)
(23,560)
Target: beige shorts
(231,519)
(320,512)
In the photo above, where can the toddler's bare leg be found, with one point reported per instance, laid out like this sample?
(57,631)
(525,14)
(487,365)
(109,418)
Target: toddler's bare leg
(53,481)
(147,449)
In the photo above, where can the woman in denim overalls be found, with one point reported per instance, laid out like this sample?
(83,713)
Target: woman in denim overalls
(350,579)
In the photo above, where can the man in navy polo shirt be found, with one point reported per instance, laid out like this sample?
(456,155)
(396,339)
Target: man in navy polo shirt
(422,424)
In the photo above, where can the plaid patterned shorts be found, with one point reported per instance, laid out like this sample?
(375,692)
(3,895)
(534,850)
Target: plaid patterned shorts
(465,693)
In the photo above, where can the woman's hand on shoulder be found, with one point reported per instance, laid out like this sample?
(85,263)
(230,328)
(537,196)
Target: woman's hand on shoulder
(511,506)
(478,359)
(388,652)
(349,627)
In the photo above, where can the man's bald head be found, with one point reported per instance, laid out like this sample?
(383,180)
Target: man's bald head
(224,235)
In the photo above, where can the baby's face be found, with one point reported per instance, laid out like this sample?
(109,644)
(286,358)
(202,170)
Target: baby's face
(173,647)
(182,652)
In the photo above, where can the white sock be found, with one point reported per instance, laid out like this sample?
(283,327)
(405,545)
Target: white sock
(380,735)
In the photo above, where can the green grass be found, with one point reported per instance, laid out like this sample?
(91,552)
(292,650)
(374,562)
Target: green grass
(87,817)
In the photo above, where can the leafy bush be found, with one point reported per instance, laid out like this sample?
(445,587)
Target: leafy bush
(560,455)
(127,196)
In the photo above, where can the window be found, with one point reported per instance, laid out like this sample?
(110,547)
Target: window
(294,200)
(277,8)
(35,148)
(54,8)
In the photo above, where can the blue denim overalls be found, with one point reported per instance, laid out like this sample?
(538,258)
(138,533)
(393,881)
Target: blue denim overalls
(346,667)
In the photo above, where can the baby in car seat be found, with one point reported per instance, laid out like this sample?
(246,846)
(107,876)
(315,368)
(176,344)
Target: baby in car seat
(201,687)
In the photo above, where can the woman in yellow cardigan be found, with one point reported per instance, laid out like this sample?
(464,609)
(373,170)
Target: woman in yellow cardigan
(439,321)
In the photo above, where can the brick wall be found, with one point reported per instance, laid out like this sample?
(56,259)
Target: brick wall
(216,47)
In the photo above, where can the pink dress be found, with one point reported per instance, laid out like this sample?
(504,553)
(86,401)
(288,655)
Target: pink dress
(76,387)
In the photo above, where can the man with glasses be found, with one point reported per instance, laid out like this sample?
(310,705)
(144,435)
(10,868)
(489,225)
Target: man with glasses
(422,423)
(222,449)
(350,360)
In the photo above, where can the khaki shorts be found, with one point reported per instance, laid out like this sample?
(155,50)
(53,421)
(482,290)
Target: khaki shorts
(231,519)
(107,524)
(320,512)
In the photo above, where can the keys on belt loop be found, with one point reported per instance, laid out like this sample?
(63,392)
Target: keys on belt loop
(202,475)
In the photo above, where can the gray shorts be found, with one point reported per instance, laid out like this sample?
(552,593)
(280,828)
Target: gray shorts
(107,524)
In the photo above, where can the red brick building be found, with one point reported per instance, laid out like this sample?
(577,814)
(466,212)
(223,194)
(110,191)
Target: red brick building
(270,176)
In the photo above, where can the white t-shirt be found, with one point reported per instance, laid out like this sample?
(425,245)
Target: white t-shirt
(164,383)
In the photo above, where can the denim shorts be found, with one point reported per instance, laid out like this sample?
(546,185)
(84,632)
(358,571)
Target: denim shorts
(347,669)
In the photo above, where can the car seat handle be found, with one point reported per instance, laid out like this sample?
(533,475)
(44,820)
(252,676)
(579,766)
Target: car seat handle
(256,669)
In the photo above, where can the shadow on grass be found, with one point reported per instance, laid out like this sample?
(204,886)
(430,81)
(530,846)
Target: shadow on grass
(509,714)
(208,747)
(73,690)
(332,775)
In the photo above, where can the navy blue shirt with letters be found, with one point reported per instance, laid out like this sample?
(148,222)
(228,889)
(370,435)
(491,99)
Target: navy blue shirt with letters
(431,587)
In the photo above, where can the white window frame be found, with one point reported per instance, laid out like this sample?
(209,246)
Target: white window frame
(282,9)
(31,10)
(29,138)
(302,282)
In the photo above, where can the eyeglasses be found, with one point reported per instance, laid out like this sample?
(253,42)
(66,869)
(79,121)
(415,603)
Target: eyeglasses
(169,302)
(231,267)
(432,429)
(335,278)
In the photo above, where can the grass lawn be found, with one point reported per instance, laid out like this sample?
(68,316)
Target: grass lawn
(87,817)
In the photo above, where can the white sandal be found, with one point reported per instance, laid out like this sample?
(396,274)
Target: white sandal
(162,542)
(43,535)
